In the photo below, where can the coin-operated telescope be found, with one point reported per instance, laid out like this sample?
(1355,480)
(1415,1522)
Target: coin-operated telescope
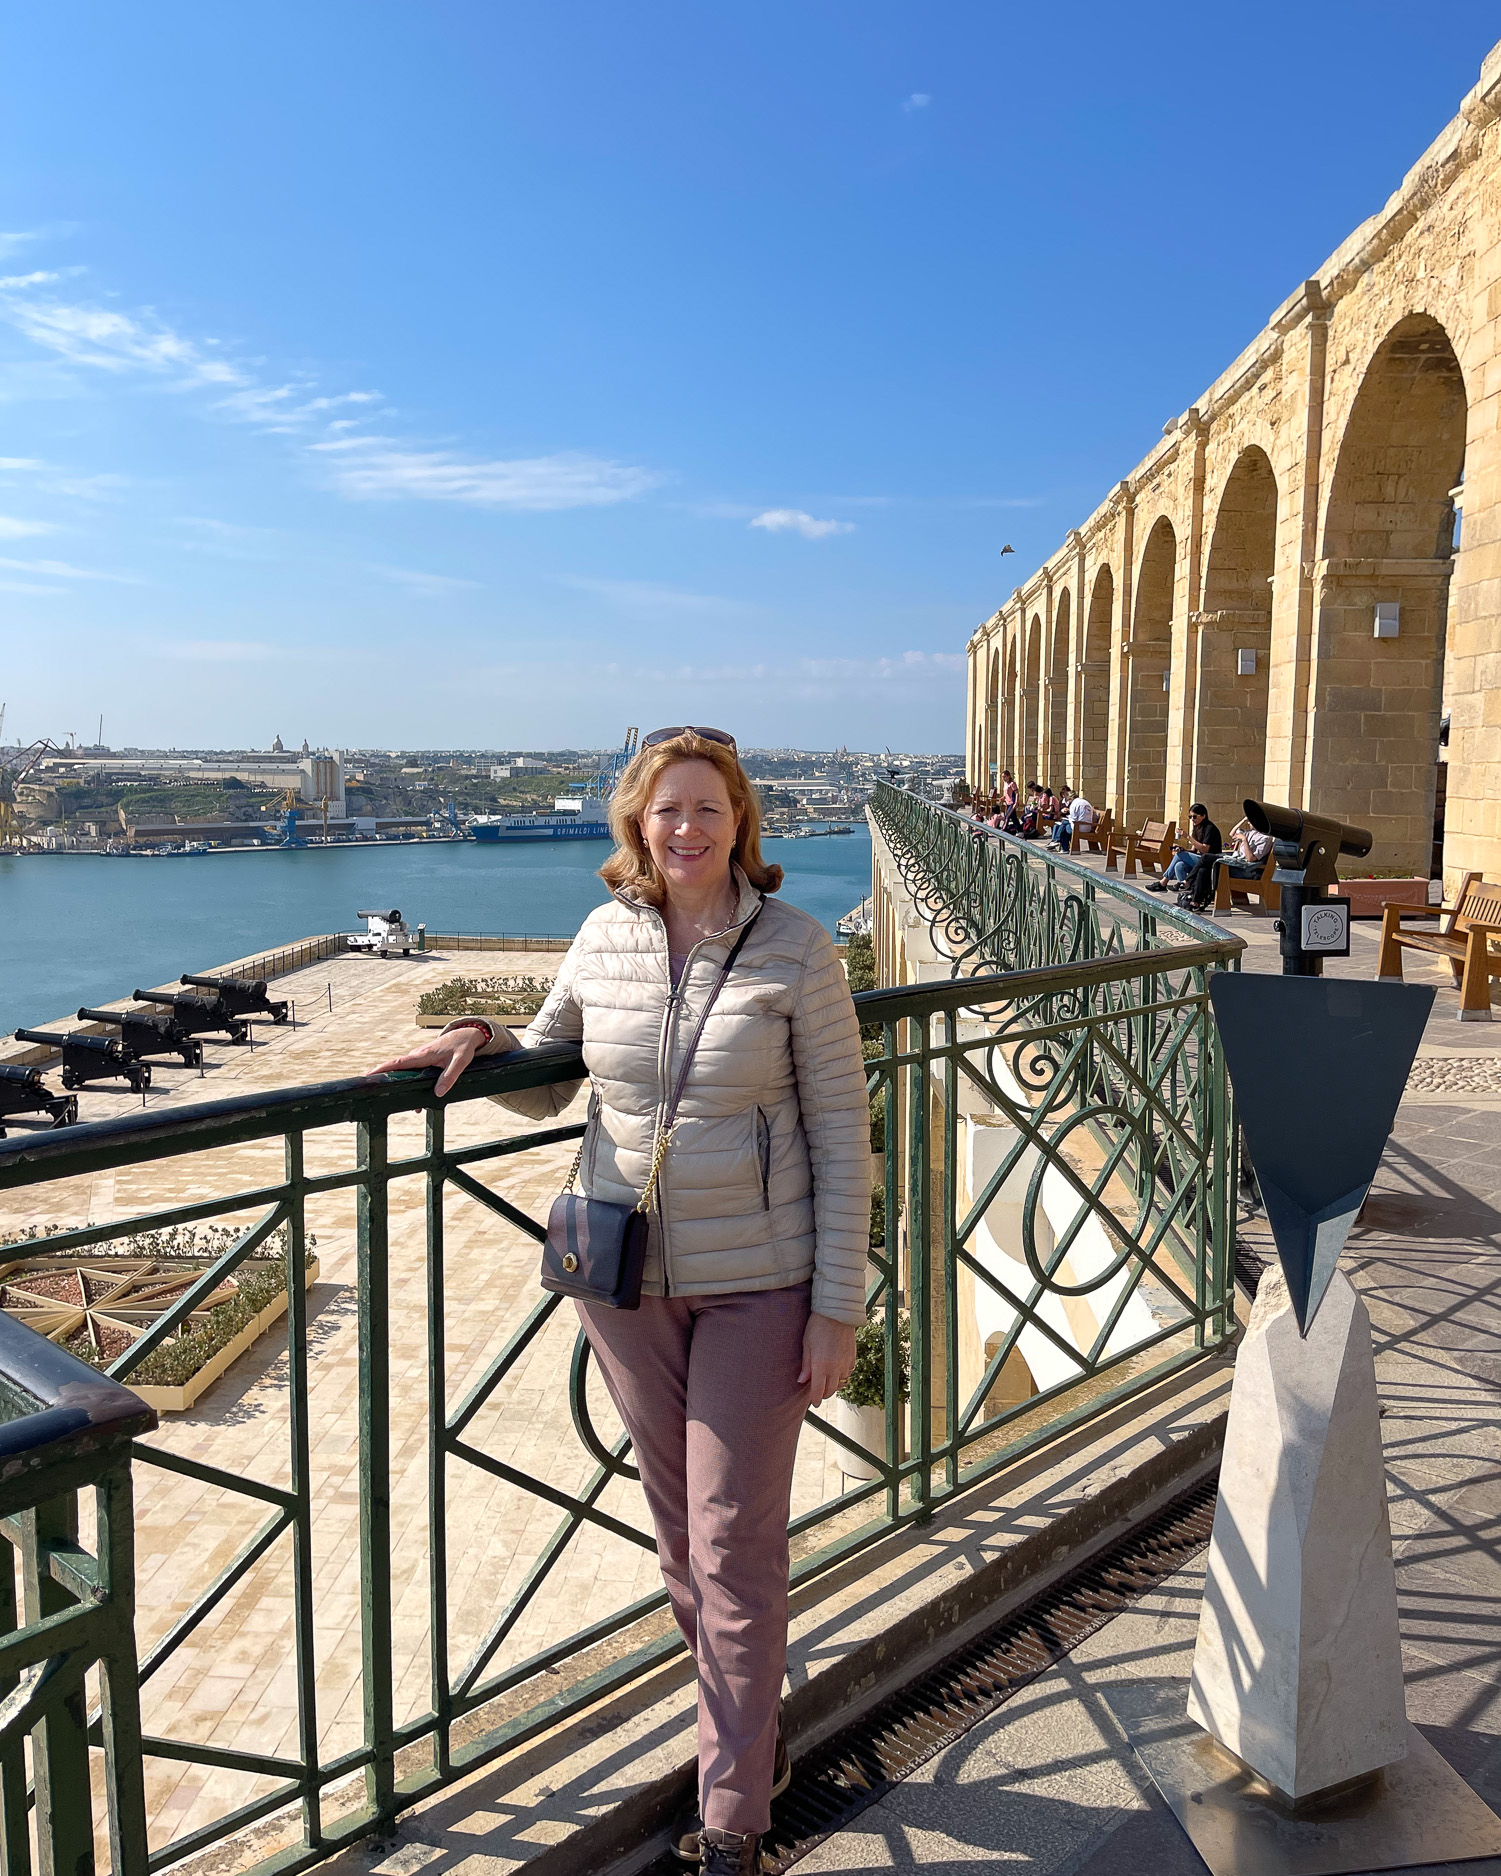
(1307,848)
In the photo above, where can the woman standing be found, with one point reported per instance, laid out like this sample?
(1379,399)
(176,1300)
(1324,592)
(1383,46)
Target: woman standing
(760,1227)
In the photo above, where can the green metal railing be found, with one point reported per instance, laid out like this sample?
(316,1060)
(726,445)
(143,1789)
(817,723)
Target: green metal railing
(996,903)
(1058,1174)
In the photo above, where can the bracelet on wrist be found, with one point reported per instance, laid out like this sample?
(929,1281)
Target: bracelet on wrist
(482,1024)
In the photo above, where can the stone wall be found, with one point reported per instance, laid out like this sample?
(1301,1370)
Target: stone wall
(1209,631)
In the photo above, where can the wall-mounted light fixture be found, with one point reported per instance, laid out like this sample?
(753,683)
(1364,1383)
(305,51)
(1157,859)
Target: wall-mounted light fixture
(1388,618)
(1166,679)
(1245,664)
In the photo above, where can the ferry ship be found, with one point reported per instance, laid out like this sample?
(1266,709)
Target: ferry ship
(583,816)
(574,817)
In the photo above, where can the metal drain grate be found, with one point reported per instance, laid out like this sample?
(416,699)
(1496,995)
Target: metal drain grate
(835,1783)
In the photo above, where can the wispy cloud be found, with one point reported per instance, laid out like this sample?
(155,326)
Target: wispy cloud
(288,407)
(27,586)
(51,480)
(918,101)
(99,339)
(795,521)
(378,468)
(331,427)
(61,570)
(424,585)
(12,528)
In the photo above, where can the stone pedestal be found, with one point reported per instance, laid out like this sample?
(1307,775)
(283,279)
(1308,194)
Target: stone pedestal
(1297,1670)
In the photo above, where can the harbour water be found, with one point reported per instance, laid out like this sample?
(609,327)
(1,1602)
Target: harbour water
(85,928)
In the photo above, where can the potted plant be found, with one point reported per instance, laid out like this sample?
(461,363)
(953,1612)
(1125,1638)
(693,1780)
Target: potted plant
(858,1410)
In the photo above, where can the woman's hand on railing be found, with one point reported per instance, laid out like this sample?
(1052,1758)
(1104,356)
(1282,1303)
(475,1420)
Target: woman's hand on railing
(452,1052)
(828,1357)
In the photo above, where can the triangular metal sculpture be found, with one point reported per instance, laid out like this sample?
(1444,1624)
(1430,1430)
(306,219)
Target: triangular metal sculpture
(1318,1065)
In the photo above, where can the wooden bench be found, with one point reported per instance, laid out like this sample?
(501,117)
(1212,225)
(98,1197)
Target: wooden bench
(1150,848)
(1464,938)
(1228,889)
(1097,837)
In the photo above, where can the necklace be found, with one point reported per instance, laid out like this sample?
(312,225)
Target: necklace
(696,931)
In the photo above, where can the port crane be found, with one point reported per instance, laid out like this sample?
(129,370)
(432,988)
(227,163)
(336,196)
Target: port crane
(14,768)
(601,785)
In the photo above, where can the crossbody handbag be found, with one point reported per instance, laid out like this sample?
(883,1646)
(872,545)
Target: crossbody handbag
(596,1250)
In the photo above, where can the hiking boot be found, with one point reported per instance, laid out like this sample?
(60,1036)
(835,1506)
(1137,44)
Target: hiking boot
(727,1853)
(687,1832)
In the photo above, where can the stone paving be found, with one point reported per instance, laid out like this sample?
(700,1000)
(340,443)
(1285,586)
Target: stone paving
(233,1682)
(1050,1785)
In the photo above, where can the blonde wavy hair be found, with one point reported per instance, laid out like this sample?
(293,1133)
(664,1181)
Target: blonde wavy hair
(631,864)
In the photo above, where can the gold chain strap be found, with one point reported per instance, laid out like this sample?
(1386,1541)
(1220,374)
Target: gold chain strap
(664,1140)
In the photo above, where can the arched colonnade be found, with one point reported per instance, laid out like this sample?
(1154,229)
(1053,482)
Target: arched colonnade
(1280,600)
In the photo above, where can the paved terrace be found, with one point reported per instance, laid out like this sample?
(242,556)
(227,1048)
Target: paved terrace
(1049,1784)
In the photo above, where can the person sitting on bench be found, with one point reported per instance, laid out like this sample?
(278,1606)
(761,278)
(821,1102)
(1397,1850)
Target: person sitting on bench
(1080,819)
(1244,859)
(1202,843)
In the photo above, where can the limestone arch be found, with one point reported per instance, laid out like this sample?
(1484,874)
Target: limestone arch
(1092,767)
(1235,640)
(1055,760)
(1388,538)
(1031,749)
(1149,677)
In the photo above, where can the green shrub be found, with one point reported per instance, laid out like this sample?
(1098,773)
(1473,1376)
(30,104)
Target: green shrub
(860,962)
(485,996)
(866,1386)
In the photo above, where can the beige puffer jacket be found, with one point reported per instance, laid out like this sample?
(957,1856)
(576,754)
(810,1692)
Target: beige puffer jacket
(767,1180)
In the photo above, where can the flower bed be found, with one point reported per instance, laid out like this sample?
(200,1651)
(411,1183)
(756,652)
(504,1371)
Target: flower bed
(481,996)
(97,1302)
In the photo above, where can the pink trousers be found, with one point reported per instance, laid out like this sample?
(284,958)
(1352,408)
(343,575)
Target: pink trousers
(707,1387)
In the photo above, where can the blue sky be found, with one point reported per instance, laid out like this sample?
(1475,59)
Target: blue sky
(474,373)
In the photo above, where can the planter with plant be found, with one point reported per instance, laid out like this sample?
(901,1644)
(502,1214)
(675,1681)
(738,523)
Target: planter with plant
(481,996)
(96,1302)
(859,1408)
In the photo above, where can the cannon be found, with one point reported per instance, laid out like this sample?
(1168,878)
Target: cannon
(384,933)
(24,1091)
(149,1035)
(197,1015)
(92,1058)
(241,996)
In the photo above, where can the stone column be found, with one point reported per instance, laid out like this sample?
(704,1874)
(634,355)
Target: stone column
(1303,323)
(1181,711)
(1120,662)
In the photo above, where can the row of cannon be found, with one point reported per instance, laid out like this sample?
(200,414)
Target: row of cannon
(174,1027)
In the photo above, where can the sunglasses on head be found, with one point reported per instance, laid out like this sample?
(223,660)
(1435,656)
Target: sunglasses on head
(688,729)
